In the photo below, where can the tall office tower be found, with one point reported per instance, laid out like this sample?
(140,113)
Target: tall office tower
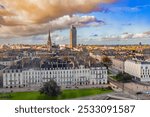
(73,37)
(49,42)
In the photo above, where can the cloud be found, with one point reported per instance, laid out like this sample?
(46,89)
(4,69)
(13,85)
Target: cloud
(127,24)
(125,9)
(128,36)
(42,11)
(147,33)
(57,24)
(135,36)
(34,17)
(4,12)
(94,35)
(57,38)
(2,7)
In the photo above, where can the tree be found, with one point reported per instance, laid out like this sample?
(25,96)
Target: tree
(106,61)
(123,77)
(51,89)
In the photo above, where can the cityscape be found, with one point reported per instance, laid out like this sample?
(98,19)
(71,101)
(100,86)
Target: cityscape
(70,50)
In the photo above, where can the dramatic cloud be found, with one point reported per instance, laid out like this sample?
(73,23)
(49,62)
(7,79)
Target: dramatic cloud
(60,23)
(39,11)
(33,17)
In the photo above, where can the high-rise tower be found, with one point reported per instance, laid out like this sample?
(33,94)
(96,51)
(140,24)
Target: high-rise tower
(73,37)
(49,42)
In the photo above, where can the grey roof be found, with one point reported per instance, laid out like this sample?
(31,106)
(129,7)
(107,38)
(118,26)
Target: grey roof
(2,67)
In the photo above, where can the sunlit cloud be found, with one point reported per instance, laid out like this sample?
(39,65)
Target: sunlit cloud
(60,23)
(37,11)
(34,17)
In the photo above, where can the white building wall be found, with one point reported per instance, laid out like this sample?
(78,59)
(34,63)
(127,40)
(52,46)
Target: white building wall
(145,72)
(63,77)
(133,68)
(138,69)
(13,79)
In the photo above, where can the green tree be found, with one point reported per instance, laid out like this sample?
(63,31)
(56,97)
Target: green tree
(51,89)
(123,77)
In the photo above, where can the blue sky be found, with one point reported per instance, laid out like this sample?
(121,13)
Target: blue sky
(125,22)
(125,16)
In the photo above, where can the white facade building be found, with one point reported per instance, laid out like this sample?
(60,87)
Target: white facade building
(140,70)
(63,77)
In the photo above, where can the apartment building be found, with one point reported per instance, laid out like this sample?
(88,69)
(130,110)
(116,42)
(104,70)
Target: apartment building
(139,69)
(63,76)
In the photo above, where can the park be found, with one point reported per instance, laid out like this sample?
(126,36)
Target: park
(65,94)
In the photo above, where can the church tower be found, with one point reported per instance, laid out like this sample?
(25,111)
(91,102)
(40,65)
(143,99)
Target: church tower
(49,42)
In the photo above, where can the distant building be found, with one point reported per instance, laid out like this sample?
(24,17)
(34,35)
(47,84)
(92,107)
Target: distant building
(49,42)
(140,43)
(29,53)
(63,76)
(73,37)
(139,69)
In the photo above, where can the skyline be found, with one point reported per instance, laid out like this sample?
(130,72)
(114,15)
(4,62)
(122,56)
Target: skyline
(115,22)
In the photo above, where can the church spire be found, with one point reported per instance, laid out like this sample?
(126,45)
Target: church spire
(49,42)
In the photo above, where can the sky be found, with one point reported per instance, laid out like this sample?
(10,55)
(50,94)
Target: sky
(98,22)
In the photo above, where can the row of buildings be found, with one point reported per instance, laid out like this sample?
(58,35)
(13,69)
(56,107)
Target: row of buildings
(30,70)
(137,68)
(82,75)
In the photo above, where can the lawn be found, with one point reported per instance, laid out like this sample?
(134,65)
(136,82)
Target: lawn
(66,94)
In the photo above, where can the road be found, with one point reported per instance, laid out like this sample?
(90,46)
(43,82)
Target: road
(109,96)
(132,88)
